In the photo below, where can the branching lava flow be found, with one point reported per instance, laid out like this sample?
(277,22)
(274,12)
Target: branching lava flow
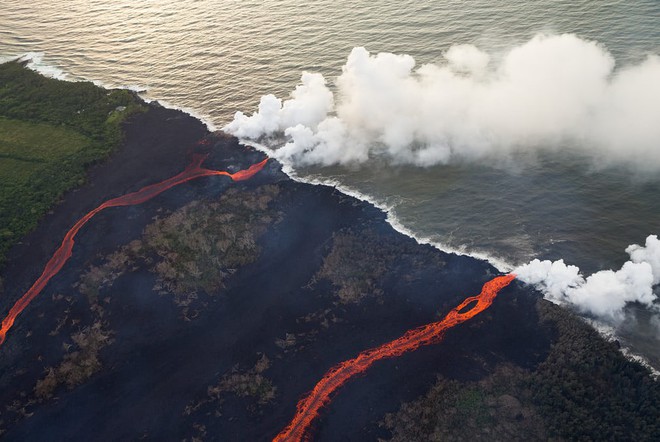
(309,406)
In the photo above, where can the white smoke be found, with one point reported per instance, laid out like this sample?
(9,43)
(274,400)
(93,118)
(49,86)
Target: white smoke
(310,103)
(552,91)
(604,294)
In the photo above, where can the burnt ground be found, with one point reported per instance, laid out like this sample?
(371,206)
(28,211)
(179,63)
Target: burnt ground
(165,375)
(155,147)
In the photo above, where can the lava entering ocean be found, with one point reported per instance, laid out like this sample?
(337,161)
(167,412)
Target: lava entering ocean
(63,253)
(308,407)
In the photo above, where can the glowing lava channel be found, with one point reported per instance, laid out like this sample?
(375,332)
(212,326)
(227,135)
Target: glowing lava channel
(63,253)
(308,407)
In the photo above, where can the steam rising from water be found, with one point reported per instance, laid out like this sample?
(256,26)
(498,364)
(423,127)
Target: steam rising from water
(551,92)
(604,294)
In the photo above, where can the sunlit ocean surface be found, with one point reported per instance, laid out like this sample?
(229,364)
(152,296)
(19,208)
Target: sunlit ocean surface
(216,57)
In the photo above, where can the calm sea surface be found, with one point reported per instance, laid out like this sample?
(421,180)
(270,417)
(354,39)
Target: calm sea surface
(216,57)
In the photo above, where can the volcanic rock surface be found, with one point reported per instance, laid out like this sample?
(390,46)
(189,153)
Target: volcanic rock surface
(206,312)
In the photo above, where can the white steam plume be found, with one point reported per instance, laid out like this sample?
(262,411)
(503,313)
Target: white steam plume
(604,294)
(550,90)
(309,104)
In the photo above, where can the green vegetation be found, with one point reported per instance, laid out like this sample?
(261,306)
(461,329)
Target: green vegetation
(584,390)
(50,131)
(26,147)
(193,249)
(485,410)
(588,390)
(250,384)
(78,365)
(81,350)
(83,331)
(201,244)
(355,265)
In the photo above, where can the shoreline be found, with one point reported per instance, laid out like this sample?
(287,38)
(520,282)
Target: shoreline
(604,330)
(392,219)
(285,306)
(34,62)
(125,170)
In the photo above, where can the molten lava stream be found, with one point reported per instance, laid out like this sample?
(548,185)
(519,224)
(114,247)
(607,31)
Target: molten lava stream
(63,253)
(309,406)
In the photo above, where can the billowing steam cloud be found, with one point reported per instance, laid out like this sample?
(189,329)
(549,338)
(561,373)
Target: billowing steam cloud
(604,294)
(549,92)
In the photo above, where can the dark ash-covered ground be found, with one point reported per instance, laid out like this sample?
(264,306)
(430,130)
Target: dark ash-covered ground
(205,314)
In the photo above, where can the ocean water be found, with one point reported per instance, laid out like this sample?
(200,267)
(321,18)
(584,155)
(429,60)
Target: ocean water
(216,57)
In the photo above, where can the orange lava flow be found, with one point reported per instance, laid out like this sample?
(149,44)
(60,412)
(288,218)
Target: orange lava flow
(63,253)
(308,407)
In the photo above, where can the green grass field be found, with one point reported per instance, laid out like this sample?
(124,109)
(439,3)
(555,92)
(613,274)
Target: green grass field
(27,148)
(50,131)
